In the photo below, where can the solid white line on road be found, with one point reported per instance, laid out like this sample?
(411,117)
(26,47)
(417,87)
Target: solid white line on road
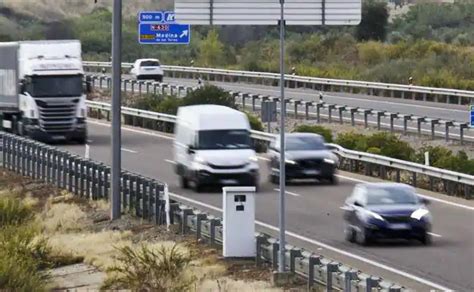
(289,193)
(341,176)
(170,161)
(329,247)
(129,150)
(89,141)
(434,234)
(263,158)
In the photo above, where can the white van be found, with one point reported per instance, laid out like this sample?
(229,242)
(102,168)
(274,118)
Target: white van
(213,147)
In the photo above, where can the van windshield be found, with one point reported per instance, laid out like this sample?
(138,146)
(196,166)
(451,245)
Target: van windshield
(224,139)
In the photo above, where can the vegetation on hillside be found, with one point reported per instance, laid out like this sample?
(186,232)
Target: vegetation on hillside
(431,43)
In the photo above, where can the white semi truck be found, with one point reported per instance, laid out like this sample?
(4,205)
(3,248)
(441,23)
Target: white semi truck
(41,90)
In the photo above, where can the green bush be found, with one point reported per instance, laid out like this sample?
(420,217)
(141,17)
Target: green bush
(169,105)
(374,150)
(352,141)
(255,123)
(391,146)
(326,133)
(209,94)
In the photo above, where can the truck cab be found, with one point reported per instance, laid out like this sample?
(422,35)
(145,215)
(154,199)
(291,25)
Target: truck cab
(51,99)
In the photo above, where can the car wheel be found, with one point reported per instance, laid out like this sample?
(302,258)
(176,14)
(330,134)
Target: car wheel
(362,236)
(349,234)
(426,239)
(159,79)
(333,180)
(198,187)
(183,182)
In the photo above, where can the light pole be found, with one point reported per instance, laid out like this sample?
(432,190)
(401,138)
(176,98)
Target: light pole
(281,258)
(116,108)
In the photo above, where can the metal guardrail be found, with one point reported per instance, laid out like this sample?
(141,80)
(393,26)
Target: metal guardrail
(441,180)
(308,113)
(371,88)
(144,198)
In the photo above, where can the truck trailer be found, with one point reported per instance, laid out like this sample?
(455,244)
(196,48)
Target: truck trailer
(41,90)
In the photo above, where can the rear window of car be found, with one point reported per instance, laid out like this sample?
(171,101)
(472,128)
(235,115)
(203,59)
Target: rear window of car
(149,64)
(390,195)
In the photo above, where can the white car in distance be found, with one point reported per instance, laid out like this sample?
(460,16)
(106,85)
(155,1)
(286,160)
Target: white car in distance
(149,69)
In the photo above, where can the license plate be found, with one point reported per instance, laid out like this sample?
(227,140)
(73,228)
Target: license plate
(399,226)
(311,172)
(149,69)
(229,181)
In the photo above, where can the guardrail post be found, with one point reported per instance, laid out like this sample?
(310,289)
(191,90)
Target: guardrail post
(307,105)
(330,108)
(419,120)
(353,111)
(371,283)
(379,118)
(244,96)
(275,248)
(341,111)
(254,97)
(213,224)
(199,218)
(260,240)
(414,179)
(318,111)
(366,117)
(184,219)
(140,84)
(434,122)
(349,276)
(330,269)
(133,82)
(447,124)
(296,103)
(125,82)
(461,132)
(294,253)
(313,261)
(392,117)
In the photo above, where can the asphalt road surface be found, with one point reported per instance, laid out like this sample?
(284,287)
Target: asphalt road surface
(314,217)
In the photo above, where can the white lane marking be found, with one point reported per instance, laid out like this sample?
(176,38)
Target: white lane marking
(89,141)
(170,161)
(289,193)
(129,150)
(357,99)
(434,234)
(421,195)
(341,176)
(329,247)
(263,158)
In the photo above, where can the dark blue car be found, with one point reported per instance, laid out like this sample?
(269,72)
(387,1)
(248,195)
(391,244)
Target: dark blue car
(386,210)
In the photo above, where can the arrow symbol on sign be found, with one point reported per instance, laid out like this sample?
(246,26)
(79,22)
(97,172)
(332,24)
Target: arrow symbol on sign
(184,34)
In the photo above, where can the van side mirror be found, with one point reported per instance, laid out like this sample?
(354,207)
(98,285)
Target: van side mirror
(191,149)
(358,204)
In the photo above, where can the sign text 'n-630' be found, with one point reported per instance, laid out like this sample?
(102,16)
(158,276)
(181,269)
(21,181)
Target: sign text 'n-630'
(159,27)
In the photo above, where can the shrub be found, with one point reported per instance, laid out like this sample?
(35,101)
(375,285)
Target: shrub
(352,141)
(13,212)
(326,133)
(209,94)
(255,123)
(150,270)
(169,105)
(374,150)
(148,102)
(391,146)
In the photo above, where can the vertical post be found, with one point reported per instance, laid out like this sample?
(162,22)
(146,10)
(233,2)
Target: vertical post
(281,258)
(116,102)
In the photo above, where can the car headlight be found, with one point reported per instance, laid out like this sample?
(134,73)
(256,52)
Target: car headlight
(329,161)
(375,215)
(199,159)
(253,158)
(288,161)
(419,213)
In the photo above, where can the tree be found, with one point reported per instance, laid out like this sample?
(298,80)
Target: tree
(374,21)
(211,50)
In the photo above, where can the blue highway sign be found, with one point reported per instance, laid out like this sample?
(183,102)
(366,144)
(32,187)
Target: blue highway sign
(159,33)
(159,27)
(472,116)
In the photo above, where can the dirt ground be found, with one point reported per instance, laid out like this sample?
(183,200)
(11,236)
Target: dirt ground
(82,228)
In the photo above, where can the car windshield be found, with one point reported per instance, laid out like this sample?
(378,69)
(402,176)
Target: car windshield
(224,139)
(391,195)
(304,143)
(55,86)
(149,64)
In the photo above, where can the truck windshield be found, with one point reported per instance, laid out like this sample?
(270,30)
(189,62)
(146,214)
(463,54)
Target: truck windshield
(224,139)
(55,86)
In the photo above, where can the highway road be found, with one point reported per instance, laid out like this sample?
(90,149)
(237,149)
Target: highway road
(314,218)
(432,110)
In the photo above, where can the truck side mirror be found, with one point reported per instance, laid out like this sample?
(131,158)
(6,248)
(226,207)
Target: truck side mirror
(22,86)
(190,149)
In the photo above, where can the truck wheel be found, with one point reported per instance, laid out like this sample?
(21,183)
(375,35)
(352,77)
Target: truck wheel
(82,140)
(20,128)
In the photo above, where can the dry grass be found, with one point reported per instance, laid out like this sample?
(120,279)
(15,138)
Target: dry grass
(63,217)
(226,284)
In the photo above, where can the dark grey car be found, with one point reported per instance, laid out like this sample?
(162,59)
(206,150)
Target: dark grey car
(306,157)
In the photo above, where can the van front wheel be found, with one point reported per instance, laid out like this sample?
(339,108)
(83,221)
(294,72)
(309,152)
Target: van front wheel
(183,182)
